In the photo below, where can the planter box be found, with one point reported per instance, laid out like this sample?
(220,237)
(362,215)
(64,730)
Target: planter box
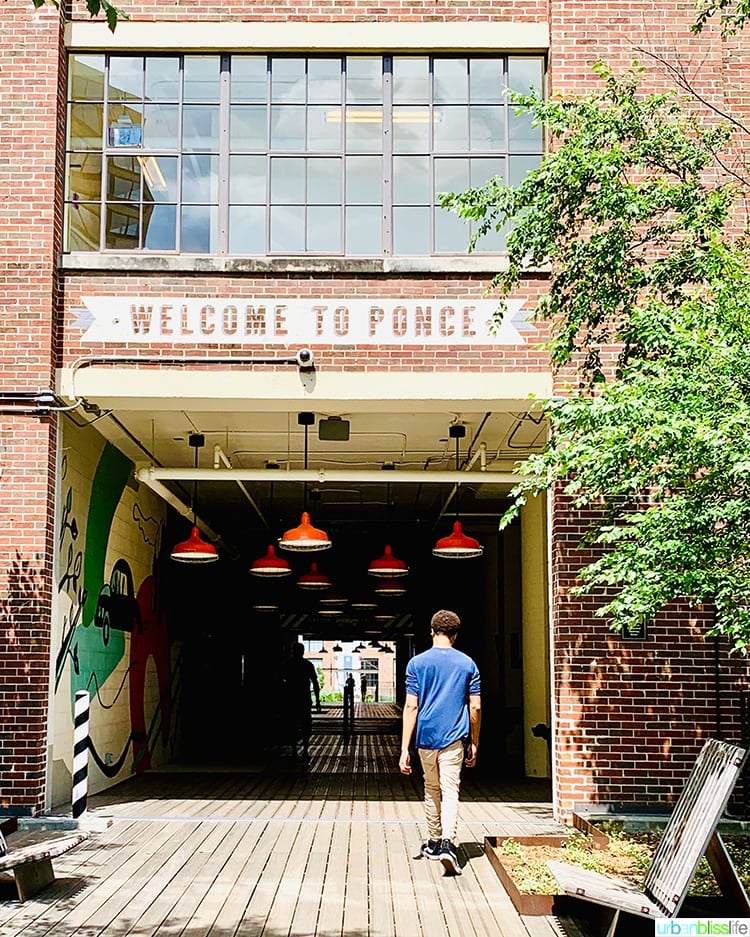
(536,904)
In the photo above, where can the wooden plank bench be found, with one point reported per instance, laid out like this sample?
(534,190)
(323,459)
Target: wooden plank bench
(29,856)
(689,835)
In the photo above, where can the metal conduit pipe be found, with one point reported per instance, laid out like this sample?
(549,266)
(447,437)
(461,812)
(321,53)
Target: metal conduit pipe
(221,457)
(480,454)
(185,510)
(322,476)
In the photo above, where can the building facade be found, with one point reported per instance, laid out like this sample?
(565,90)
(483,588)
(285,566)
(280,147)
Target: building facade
(230,294)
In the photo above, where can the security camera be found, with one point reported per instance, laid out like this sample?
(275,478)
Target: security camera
(305,359)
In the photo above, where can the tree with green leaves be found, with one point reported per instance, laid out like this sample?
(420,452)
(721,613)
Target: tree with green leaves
(635,216)
(113,14)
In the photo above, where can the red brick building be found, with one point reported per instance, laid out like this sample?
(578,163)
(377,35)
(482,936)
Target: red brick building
(187,204)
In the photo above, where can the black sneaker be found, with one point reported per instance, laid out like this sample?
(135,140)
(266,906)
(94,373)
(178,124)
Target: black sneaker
(448,856)
(431,849)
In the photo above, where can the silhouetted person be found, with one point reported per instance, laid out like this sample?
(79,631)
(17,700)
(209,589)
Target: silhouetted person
(363,688)
(348,704)
(299,678)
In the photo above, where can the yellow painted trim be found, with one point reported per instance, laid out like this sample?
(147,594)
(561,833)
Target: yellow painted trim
(534,616)
(311,37)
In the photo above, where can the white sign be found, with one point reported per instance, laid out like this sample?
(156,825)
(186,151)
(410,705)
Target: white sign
(431,321)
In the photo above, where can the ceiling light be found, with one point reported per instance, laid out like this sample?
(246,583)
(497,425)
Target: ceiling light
(314,579)
(195,550)
(330,611)
(388,566)
(265,607)
(333,599)
(270,565)
(336,648)
(305,537)
(363,605)
(384,649)
(457,546)
(390,587)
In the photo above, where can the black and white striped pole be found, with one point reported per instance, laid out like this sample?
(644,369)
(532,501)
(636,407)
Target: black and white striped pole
(80,753)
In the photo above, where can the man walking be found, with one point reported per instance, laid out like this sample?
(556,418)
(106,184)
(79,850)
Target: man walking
(443,703)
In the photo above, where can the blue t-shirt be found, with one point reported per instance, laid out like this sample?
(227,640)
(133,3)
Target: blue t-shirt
(442,679)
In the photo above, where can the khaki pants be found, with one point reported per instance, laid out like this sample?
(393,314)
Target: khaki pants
(442,782)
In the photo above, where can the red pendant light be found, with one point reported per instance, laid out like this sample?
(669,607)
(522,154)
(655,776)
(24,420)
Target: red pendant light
(333,600)
(388,566)
(457,546)
(270,565)
(305,538)
(390,587)
(314,579)
(195,549)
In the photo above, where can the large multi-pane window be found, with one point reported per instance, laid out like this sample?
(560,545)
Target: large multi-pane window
(255,155)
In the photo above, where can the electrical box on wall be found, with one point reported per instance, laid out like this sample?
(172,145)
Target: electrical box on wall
(333,429)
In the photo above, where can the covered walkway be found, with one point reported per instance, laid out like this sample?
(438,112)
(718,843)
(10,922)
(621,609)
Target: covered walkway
(287,849)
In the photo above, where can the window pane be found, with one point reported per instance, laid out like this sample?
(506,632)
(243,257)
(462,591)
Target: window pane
(125,78)
(288,181)
(324,81)
(84,177)
(124,178)
(125,125)
(85,126)
(364,179)
(162,78)
(525,75)
(323,129)
(247,128)
(411,79)
(523,137)
(452,129)
(487,128)
(200,128)
(159,178)
(86,78)
(486,81)
(249,79)
(324,181)
(451,232)
(288,80)
(200,179)
(160,227)
(451,175)
(82,224)
(247,179)
(411,130)
(364,230)
(201,78)
(364,130)
(411,180)
(287,127)
(411,229)
(482,170)
(288,228)
(324,229)
(247,229)
(160,126)
(520,166)
(198,233)
(451,81)
(364,79)
(122,224)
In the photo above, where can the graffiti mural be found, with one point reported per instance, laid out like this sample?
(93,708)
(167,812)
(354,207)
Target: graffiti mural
(113,634)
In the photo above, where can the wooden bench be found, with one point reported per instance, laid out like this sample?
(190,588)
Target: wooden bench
(29,856)
(689,835)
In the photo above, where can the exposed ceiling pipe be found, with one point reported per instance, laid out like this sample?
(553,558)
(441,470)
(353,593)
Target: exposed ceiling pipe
(480,454)
(322,476)
(221,457)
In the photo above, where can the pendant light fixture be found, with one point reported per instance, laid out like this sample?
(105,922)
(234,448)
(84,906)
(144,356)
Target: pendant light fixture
(305,537)
(195,549)
(270,565)
(457,546)
(388,566)
(389,587)
(314,579)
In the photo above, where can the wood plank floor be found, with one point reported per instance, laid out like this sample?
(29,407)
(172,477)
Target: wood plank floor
(329,848)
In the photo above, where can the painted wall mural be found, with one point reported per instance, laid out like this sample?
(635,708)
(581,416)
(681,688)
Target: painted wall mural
(111,627)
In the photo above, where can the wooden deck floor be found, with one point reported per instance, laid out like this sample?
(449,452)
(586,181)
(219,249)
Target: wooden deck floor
(327,849)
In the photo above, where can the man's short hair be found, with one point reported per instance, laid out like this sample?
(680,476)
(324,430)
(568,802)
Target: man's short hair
(445,622)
